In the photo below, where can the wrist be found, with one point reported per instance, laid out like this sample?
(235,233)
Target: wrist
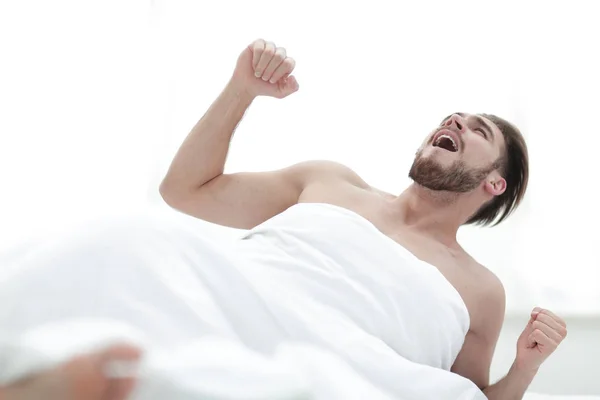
(240,90)
(524,372)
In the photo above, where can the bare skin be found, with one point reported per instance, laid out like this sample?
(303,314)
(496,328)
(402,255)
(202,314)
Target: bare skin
(79,378)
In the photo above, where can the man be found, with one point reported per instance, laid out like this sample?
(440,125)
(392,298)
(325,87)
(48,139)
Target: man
(470,169)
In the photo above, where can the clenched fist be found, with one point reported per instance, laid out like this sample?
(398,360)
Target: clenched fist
(265,70)
(542,335)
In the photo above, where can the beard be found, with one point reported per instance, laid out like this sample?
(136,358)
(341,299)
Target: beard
(456,178)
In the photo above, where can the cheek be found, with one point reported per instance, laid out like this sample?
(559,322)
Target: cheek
(422,148)
(480,155)
(427,151)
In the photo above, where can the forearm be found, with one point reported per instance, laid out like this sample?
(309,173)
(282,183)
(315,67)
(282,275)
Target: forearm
(512,386)
(203,153)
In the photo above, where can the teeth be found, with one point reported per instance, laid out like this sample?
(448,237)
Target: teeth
(437,142)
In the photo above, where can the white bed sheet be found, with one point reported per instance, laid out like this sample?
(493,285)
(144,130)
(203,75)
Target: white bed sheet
(572,354)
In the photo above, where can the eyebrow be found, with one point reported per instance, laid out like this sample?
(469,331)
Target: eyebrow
(480,120)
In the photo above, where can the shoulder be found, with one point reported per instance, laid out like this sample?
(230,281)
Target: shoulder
(489,298)
(322,166)
(490,283)
(314,170)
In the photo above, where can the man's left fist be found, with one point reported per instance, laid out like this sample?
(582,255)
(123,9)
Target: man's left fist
(542,335)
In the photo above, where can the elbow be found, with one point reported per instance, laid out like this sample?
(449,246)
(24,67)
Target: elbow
(171,188)
(180,197)
(168,193)
(164,190)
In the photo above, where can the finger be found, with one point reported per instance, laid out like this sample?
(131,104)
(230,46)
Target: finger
(275,62)
(258,46)
(542,340)
(548,331)
(560,321)
(531,319)
(531,343)
(287,86)
(86,376)
(283,70)
(119,361)
(119,387)
(265,59)
(121,352)
(552,323)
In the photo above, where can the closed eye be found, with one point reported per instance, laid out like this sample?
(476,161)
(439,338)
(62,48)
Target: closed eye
(482,132)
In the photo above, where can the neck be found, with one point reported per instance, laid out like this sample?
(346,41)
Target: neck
(435,213)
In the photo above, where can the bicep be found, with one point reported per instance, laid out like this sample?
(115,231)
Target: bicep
(239,200)
(475,358)
(245,199)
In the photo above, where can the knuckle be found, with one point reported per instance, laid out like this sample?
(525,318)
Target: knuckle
(281,51)
(563,332)
(290,62)
(542,314)
(258,44)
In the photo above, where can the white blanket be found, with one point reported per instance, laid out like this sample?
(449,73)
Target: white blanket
(315,303)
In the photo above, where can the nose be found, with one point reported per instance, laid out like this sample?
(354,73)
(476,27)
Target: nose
(455,122)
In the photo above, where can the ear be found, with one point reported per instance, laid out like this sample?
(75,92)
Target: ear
(495,185)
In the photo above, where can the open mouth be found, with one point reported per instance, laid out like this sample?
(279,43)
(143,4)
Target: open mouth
(446,142)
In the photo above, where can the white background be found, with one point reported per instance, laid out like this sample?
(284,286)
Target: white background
(96,97)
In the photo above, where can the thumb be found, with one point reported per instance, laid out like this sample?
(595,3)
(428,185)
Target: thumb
(531,343)
(288,85)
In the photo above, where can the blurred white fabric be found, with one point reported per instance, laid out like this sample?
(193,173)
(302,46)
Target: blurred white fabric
(314,303)
(571,370)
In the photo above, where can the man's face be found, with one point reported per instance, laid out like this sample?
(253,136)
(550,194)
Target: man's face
(459,154)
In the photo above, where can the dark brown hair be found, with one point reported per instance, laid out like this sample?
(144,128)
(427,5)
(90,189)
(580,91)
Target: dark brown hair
(514,167)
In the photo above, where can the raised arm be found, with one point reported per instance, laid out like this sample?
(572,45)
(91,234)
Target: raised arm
(245,199)
(195,183)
